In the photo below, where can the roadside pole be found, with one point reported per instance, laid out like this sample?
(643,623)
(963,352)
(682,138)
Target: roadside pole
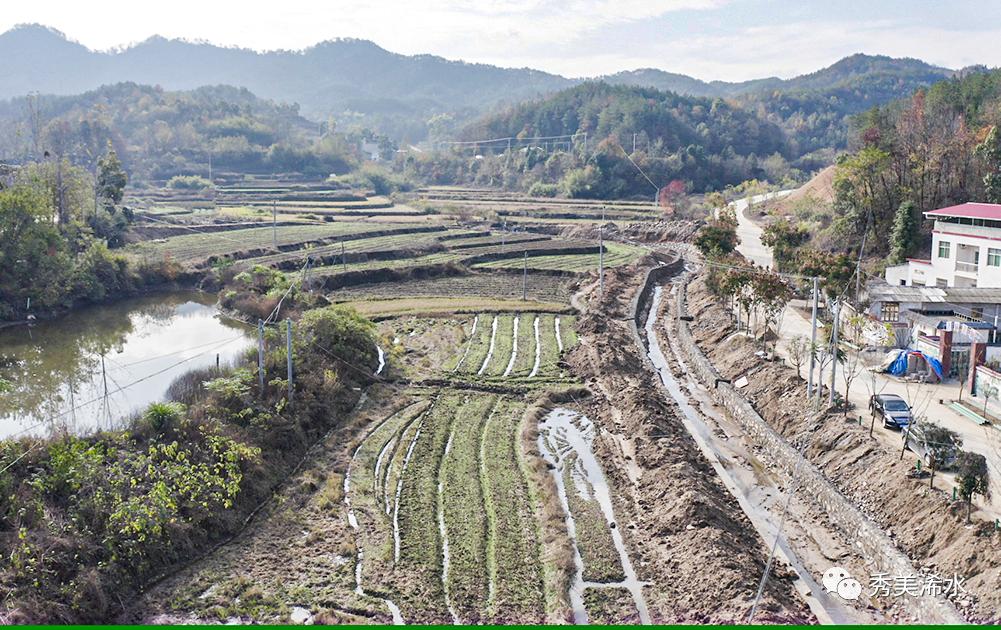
(834,350)
(260,355)
(524,279)
(274,223)
(288,353)
(601,254)
(813,338)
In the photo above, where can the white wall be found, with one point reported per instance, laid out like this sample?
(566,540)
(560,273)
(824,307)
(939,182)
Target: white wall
(966,243)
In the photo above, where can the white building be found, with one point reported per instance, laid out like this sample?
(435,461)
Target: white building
(965,250)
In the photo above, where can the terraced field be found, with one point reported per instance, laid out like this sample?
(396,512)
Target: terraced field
(539,287)
(498,351)
(199,247)
(444,515)
(616,255)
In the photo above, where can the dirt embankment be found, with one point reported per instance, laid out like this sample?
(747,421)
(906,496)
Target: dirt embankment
(924,523)
(686,533)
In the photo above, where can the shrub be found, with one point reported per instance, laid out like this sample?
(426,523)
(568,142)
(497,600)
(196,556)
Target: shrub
(189,182)
(543,189)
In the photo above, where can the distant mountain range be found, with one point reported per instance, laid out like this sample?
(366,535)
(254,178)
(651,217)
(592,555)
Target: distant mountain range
(357,81)
(910,73)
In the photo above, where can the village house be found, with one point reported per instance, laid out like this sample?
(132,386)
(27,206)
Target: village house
(965,250)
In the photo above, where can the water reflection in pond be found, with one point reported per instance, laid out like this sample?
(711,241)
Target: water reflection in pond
(55,366)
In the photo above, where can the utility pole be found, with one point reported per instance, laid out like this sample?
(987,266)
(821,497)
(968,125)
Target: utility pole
(601,254)
(834,349)
(813,337)
(524,279)
(274,223)
(634,143)
(260,355)
(344,261)
(104,377)
(288,353)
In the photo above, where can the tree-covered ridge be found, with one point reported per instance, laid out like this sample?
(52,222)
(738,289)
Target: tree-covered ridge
(159,133)
(667,120)
(937,148)
(813,109)
(682,143)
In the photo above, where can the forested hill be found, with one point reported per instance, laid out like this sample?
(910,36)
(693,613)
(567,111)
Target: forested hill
(665,122)
(407,97)
(159,133)
(681,143)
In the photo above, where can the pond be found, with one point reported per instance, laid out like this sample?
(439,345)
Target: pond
(95,367)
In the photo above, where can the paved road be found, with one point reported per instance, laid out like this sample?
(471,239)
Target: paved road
(750,233)
(924,398)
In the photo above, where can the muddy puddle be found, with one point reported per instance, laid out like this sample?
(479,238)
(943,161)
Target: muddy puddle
(566,438)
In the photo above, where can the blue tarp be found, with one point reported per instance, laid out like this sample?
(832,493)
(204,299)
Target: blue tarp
(899,365)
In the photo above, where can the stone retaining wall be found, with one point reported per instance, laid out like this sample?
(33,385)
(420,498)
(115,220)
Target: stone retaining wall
(869,540)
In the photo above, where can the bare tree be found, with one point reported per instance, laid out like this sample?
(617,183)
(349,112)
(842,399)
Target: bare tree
(799,351)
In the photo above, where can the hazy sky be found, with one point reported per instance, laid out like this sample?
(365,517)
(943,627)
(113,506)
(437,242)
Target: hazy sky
(709,39)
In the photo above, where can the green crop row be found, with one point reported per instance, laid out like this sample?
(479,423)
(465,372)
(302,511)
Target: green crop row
(502,346)
(513,549)
(422,598)
(615,255)
(462,509)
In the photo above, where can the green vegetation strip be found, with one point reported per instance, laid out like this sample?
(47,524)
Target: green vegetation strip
(422,599)
(617,255)
(465,520)
(526,345)
(367,500)
(197,246)
(502,346)
(480,345)
(513,549)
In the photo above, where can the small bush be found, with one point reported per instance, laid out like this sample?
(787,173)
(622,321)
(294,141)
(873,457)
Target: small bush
(542,189)
(189,182)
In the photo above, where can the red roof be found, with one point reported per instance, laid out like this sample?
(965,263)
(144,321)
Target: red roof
(969,210)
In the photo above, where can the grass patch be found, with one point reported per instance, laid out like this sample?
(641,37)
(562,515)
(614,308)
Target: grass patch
(436,306)
(502,346)
(513,549)
(607,606)
(594,540)
(464,516)
(526,345)
(422,598)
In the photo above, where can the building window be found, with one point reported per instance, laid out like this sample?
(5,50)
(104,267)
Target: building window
(943,249)
(889,311)
(993,257)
